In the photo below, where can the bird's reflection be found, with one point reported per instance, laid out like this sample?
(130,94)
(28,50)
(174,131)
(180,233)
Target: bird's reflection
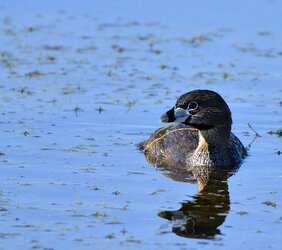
(201,216)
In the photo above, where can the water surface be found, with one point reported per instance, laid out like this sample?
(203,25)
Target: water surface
(83,83)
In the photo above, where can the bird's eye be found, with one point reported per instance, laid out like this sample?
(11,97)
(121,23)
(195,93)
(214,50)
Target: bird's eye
(193,105)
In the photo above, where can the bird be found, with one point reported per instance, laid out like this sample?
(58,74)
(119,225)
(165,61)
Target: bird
(199,137)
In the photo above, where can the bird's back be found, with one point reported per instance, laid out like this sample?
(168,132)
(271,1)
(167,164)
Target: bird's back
(172,147)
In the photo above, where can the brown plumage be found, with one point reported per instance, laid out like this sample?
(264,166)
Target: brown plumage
(201,139)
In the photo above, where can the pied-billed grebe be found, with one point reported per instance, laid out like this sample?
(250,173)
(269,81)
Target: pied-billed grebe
(201,136)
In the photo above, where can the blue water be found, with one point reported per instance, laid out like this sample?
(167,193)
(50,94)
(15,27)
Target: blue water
(72,177)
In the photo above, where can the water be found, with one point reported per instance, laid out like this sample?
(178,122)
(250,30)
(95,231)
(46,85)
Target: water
(82,84)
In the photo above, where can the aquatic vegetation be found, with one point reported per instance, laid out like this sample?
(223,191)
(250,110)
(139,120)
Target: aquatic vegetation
(270,203)
(82,84)
(278,132)
(34,73)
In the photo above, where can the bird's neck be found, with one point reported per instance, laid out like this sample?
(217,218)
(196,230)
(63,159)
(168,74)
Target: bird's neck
(212,147)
